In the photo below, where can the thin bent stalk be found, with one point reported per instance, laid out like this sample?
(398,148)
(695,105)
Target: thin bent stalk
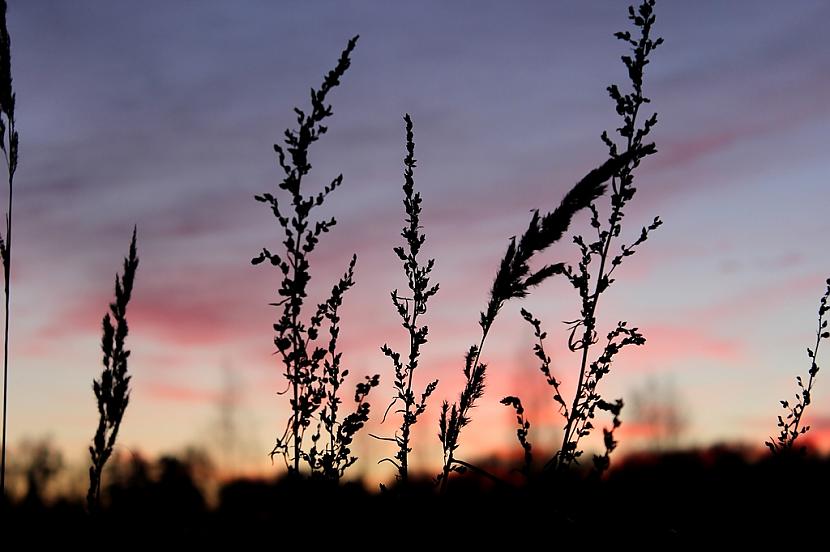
(8,143)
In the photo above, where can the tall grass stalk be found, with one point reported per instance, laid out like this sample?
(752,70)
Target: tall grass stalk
(313,371)
(8,143)
(790,427)
(409,309)
(112,391)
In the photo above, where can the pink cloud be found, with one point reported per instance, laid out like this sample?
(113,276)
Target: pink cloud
(175,316)
(760,298)
(206,311)
(669,344)
(682,151)
(178,393)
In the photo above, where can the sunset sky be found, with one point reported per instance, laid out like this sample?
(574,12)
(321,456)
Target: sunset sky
(163,114)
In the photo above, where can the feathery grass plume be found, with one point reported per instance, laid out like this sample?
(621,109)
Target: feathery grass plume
(591,282)
(313,371)
(514,279)
(8,143)
(112,391)
(790,425)
(409,309)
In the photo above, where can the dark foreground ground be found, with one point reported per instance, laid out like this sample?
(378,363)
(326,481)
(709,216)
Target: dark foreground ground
(670,499)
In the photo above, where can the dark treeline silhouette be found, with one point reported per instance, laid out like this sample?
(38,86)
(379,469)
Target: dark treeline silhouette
(667,497)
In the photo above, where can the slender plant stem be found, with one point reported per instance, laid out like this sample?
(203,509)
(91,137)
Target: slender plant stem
(586,340)
(810,381)
(410,401)
(297,339)
(7,100)
(808,390)
(7,289)
(295,385)
(589,329)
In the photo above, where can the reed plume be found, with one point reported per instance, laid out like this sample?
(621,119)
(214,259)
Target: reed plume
(112,391)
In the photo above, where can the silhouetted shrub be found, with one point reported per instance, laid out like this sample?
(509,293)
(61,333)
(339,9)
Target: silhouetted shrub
(313,371)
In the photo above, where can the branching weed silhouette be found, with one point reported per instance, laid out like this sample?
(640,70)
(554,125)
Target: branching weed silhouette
(628,105)
(515,279)
(112,391)
(593,273)
(409,309)
(789,425)
(313,372)
(8,143)
(332,460)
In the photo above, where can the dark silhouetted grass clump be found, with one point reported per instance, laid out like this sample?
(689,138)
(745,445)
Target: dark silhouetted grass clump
(112,391)
(409,309)
(313,371)
(8,143)
(789,425)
